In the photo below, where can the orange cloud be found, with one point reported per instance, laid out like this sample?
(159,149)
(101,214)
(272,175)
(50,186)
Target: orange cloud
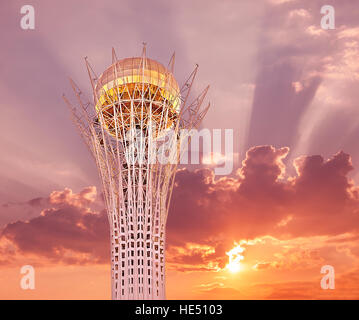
(285,225)
(68,232)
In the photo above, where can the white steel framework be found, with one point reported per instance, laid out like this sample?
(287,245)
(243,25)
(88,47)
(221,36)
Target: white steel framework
(134,106)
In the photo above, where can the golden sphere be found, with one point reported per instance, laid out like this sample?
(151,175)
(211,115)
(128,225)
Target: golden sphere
(134,93)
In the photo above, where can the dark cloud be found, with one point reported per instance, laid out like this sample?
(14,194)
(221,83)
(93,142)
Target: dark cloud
(321,199)
(68,232)
(207,215)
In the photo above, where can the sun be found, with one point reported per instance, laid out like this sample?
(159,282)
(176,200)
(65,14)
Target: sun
(235,258)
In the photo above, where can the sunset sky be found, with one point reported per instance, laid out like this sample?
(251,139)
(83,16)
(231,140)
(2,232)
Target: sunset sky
(288,88)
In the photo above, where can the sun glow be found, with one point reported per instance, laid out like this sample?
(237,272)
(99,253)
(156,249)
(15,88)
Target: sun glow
(235,258)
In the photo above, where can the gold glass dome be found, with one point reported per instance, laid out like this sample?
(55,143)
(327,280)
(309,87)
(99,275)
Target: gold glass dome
(132,96)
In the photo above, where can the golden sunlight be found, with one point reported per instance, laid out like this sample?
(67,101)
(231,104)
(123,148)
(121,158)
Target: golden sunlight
(235,258)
